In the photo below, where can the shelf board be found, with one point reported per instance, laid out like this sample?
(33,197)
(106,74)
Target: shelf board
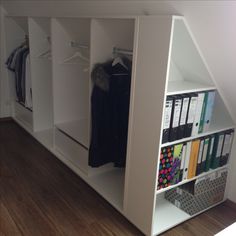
(166,216)
(77,130)
(180,87)
(211,131)
(160,226)
(110,185)
(189,180)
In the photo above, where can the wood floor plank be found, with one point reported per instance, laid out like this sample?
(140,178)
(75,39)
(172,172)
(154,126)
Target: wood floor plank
(41,196)
(7,225)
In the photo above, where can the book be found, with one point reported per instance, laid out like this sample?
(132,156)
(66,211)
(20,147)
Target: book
(199,162)
(193,158)
(209,153)
(204,154)
(197,117)
(176,165)
(175,117)
(165,167)
(183,116)
(209,110)
(191,114)
(167,119)
(226,147)
(217,150)
(202,118)
(186,160)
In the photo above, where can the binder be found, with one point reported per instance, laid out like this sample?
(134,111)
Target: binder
(209,110)
(209,154)
(166,162)
(177,159)
(204,154)
(193,159)
(226,147)
(175,117)
(191,113)
(183,116)
(199,162)
(202,118)
(186,161)
(182,161)
(217,150)
(197,117)
(167,119)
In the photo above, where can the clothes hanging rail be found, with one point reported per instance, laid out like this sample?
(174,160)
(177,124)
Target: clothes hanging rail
(78,45)
(122,51)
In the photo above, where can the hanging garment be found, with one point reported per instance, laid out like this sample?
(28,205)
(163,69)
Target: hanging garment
(110,113)
(28,84)
(18,74)
(17,63)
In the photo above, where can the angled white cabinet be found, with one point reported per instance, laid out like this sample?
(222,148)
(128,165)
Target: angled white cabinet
(166,61)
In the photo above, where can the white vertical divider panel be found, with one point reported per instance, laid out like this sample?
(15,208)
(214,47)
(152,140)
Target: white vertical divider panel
(41,73)
(149,85)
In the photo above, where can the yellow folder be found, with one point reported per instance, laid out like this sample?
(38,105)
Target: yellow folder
(193,159)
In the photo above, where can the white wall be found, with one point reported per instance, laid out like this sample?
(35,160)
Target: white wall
(5,109)
(212,23)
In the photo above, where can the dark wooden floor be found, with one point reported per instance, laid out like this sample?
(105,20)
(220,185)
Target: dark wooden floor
(41,196)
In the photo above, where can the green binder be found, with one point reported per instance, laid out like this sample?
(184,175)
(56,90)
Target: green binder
(209,153)
(217,150)
(202,119)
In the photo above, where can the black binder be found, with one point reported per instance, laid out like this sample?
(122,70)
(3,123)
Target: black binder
(191,114)
(175,118)
(183,115)
(226,147)
(167,119)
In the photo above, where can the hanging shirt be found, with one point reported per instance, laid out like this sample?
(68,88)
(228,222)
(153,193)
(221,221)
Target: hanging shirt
(28,84)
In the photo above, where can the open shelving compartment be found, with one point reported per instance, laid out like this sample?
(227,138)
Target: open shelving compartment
(188,73)
(72,87)
(16,32)
(41,72)
(71,78)
(107,33)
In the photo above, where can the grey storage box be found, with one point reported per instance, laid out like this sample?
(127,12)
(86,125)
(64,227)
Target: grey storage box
(200,194)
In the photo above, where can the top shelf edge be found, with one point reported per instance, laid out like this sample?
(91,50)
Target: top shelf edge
(191,91)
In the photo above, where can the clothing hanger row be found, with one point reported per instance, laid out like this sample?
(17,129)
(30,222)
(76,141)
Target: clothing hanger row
(122,51)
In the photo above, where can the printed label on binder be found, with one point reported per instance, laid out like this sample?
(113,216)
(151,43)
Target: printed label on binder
(167,115)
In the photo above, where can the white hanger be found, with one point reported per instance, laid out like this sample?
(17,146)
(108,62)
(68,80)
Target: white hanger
(45,54)
(76,55)
(118,60)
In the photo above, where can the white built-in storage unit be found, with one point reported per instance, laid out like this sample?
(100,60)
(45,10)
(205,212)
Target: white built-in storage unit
(166,61)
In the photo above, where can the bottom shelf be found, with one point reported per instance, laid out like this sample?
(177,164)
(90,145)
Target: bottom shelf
(24,115)
(45,137)
(167,216)
(110,185)
(77,130)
